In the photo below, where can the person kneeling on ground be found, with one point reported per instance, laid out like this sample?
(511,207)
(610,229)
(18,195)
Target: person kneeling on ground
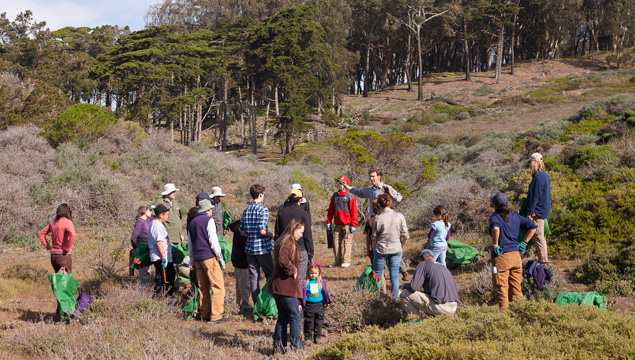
(439,294)
(205,254)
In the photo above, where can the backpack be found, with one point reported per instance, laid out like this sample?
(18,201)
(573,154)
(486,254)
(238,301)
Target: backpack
(369,280)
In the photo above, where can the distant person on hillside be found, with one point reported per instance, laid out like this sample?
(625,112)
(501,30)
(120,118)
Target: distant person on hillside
(254,225)
(284,285)
(507,266)
(294,211)
(390,233)
(161,252)
(304,203)
(139,236)
(539,203)
(439,234)
(62,238)
(343,212)
(206,255)
(371,193)
(173,224)
(431,290)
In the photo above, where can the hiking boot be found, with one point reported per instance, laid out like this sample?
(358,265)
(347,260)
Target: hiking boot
(332,265)
(406,276)
(345,265)
(220,321)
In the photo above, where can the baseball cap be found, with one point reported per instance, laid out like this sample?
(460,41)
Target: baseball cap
(499,199)
(426,252)
(535,157)
(345,179)
(161,208)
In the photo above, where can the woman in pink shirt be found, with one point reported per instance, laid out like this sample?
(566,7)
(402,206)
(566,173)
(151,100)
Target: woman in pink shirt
(62,238)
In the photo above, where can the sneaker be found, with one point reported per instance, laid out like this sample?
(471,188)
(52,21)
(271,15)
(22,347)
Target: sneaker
(332,265)
(345,265)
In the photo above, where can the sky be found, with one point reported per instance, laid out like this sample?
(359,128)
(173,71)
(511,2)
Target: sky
(77,13)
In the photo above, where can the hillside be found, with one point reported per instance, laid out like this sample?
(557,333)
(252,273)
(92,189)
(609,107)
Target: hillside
(581,118)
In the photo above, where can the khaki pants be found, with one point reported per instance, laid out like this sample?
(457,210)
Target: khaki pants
(508,277)
(342,244)
(243,293)
(210,276)
(540,240)
(415,302)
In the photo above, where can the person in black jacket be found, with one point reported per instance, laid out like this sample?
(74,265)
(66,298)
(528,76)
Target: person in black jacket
(305,243)
(241,268)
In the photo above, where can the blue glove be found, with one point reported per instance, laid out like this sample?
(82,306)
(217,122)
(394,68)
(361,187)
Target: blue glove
(522,247)
(498,250)
(328,227)
(222,263)
(164,262)
(353,228)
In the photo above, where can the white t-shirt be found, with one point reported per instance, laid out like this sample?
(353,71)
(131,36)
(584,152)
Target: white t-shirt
(157,236)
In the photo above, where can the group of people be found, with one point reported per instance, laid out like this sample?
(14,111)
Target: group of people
(286,254)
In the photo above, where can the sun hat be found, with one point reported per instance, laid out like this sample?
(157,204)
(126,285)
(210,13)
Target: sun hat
(204,205)
(296,187)
(535,157)
(499,199)
(216,191)
(168,189)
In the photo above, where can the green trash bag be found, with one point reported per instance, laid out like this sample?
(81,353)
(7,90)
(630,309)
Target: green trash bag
(592,298)
(64,287)
(265,306)
(226,248)
(179,252)
(191,309)
(227,220)
(460,254)
(369,280)
(141,256)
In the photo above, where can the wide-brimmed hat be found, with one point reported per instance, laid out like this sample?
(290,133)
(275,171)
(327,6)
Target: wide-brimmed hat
(168,189)
(216,191)
(204,205)
(296,187)
(160,209)
(535,157)
(499,199)
(296,193)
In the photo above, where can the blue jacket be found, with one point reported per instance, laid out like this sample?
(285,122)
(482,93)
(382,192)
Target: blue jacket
(539,195)
(508,237)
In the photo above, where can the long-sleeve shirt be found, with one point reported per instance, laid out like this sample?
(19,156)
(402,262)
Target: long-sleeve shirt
(293,211)
(256,218)
(539,195)
(217,214)
(173,224)
(342,209)
(372,192)
(436,280)
(508,236)
(326,298)
(388,230)
(62,236)
(140,231)
(209,233)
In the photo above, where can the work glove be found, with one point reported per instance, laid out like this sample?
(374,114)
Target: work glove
(222,263)
(498,250)
(164,262)
(353,228)
(522,247)
(328,227)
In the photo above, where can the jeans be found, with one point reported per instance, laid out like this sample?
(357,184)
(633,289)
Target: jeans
(393,260)
(304,265)
(288,314)
(439,254)
(255,262)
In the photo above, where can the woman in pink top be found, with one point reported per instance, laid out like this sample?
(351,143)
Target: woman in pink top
(62,238)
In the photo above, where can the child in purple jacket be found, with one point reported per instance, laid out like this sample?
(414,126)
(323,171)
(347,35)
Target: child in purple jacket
(315,298)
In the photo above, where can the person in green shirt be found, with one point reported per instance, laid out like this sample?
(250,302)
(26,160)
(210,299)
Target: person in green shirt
(174,224)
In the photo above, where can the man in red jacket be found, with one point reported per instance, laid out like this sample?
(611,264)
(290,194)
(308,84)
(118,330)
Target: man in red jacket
(343,212)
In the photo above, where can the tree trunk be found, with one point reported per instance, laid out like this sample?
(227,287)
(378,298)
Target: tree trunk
(222,115)
(367,68)
(265,130)
(499,54)
(420,63)
(466,49)
(512,47)
(408,60)
(252,111)
(275,99)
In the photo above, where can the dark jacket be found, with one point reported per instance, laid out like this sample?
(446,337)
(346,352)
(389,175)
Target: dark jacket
(436,280)
(295,212)
(304,205)
(326,299)
(282,281)
(239,258)
(541,274)
(539,195)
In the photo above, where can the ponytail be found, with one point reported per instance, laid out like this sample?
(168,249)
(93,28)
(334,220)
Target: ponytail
(503,211)
(446,219)
(440,210)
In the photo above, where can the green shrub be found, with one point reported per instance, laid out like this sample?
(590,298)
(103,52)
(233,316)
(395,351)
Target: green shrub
(610,270)
(27,272)
(84,121)
(483,91)
(529,330)
(591,154)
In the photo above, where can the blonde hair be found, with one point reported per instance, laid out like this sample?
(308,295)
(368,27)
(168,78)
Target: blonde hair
(319,277)
(536,166)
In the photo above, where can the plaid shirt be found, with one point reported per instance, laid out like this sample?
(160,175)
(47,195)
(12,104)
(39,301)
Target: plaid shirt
(255,218)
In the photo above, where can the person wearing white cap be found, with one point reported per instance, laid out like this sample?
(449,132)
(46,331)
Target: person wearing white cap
(173,225)
(217,214)
(539,203)
(304,203)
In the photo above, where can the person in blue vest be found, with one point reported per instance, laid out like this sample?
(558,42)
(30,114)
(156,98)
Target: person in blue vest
(343,212)
(539,203)
(206,255)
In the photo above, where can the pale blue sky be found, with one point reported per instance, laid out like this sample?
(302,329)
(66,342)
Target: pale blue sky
(62,13)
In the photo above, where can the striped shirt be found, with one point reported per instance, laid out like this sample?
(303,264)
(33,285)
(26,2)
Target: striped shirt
(256,218)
